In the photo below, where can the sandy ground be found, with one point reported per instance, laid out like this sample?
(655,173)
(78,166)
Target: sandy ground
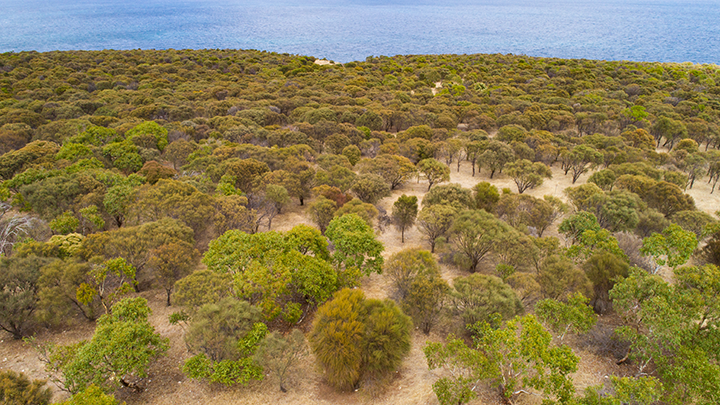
(167,385)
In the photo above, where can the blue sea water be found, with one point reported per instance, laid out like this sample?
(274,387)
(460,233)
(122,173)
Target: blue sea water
(346,30)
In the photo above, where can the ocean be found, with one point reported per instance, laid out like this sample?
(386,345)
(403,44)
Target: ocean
(343,31)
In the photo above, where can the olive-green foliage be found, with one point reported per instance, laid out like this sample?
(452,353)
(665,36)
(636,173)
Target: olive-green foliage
(200,288)
(215,328)
(435,172)
(355,338)
(279,354)
(404,212)
(477,297)
(475,233)
(366,211)
(449,194)
(404,266)
(19,293)
(92,395)
(603,269)
(370,188)
(485,196)
(17,389)
(558,277)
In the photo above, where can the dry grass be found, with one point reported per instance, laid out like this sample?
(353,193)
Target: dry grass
(412,383)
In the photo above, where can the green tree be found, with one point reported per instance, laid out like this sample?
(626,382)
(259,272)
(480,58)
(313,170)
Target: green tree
(477,297)
(485,196)
(366,211)
(558,277)
(496,156)
(355,245)
(452,194)
(405,210)
(573,316)
(668,199)
(371,188)
(107,282)
(406,265)
(526,174)
(475,233)
(124,344)
(434,171)
(435,221)
(396,170)
(517,357)
(353,153)
(202,287)
(669,329)
(19,287)
(322,212)
(172,261)
(672,247)
(581,159)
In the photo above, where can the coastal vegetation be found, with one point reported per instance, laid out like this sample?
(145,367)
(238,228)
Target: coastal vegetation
(295,221)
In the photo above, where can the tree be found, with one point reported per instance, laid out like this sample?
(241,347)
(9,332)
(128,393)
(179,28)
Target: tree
(694,221)
(279,354)
(230,372)
(405,210)
(371,188)
(396,170)
(496,156)
(202,287)
(477,297)
(526,174)
(355,245)
(517,357)
(322,212)
(672,247)
(213,337)
(171,262)
(581,159)
(605,179)
(276,198)
(451,194)
(558,277)
(426,298)
(107,282)
(669,329)
(406,265)
(573,316)
(603,269)
(435,221)
(353,338)
(485,196)
(17,389)
(353,153)
(366,211)
(124,344)
(668,199)
(474,234)
(19,288)
(434,171)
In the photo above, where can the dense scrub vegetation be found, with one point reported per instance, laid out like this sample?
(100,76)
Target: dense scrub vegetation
(122,170)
